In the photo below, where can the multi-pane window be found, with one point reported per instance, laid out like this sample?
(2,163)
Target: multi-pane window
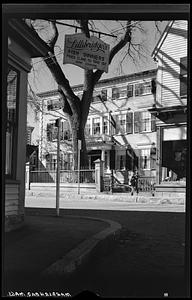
(51,132)
(145,159)
(11,131)
(51,161)
(129,127)
(143,88)
(183,76)
(88,128)
(55,104)
(120,92)
(121,120)
(96,126)
(65,133)
(104,95)
(130,90)
(100,95)
(145,121)
(105,125)
(115,93)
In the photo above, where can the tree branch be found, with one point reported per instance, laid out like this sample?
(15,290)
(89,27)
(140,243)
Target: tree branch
(66,106)
(126,39)
(54,38)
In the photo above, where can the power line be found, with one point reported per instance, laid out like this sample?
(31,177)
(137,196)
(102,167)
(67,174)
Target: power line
(78,27)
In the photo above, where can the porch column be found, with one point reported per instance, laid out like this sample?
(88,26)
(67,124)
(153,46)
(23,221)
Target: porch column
(27,180)
(103,155)
(159,154)
(99,175)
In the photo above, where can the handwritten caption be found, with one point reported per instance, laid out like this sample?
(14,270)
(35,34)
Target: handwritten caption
(38,294)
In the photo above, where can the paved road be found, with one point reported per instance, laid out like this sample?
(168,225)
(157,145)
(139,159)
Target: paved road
(145,260)
(103,204)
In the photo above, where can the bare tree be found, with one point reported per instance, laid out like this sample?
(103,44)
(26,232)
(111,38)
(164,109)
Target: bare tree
(77,109)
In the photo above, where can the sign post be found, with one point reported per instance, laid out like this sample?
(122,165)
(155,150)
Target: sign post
(58,122)
(79,157)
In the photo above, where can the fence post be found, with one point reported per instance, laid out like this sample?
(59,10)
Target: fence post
(27,181)
(58,121)
(99,175)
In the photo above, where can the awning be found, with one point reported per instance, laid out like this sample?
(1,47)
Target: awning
(168,109)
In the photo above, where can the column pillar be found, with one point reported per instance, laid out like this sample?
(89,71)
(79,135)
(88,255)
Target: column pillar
(99,175)
(27,180)
(159,154)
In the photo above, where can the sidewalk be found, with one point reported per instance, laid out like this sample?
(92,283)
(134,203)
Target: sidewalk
(142,197)
(48,244)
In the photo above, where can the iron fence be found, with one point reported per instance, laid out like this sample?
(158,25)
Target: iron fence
(146,184)
(66,176)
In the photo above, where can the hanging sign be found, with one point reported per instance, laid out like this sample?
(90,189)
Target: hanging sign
(87,53)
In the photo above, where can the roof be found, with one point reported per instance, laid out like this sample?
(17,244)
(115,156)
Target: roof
(161,39)
(103,82)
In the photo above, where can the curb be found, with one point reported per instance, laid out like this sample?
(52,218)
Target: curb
(76,256)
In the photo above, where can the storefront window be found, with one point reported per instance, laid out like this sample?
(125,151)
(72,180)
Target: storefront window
(11,131)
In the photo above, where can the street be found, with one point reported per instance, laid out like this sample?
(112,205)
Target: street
(146,259)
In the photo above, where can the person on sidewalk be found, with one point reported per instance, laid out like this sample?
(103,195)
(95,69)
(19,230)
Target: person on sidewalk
(134,183)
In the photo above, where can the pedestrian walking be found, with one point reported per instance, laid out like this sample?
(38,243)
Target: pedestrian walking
(134,182)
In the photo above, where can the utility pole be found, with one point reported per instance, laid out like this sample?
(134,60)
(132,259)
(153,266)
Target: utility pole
(79,157)
(57,124)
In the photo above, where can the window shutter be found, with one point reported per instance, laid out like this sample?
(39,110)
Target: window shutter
(153,122)
(137,117)
(136,159)
(49,133)
(104,95)
(129,122)
(118,130)
(114,125)
(130,90)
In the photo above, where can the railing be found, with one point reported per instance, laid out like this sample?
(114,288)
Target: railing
(66,176)
(146,184)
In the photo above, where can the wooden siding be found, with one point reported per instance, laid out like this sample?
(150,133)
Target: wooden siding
(11,199)
(174,47)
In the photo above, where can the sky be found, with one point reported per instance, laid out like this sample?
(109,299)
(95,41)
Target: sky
(41,80)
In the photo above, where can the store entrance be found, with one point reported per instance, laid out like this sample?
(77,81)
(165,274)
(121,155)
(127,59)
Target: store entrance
(174,160)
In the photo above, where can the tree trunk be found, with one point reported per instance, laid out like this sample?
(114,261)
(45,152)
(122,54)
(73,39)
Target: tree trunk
(77,129)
